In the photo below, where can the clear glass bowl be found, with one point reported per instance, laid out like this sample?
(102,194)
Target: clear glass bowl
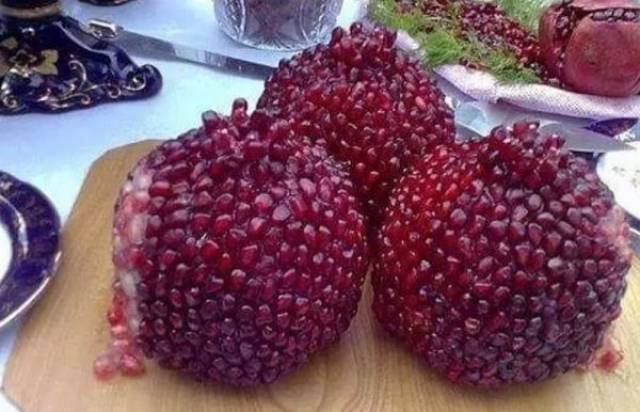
(277,24)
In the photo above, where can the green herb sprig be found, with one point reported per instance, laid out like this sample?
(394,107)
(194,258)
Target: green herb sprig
(442,41)
(527,12)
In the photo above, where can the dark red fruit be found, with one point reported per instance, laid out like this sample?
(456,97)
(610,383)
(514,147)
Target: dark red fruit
(593,46)
(501,260)
(240,251)
(371,104)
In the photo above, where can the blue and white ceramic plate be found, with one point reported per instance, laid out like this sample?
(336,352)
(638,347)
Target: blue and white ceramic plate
(29,246)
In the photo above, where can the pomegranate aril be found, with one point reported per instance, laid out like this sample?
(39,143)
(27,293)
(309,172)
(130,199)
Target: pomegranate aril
(131,365)
(105,368)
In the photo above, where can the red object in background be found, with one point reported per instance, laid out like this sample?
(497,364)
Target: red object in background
(593,46)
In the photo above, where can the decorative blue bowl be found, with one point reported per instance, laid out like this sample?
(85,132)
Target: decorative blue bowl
(30,251)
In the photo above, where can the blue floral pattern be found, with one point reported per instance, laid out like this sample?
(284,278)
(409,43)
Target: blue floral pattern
(34,228)
(55,65)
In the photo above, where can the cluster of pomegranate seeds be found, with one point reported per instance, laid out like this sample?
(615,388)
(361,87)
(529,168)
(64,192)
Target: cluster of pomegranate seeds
(574,31)
(501,260)
(371,104)
(122,353)
(240,250)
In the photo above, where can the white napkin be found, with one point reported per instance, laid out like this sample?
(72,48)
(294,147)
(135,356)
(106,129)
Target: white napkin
(485,87)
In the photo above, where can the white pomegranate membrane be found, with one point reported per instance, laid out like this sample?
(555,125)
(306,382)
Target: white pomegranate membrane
(616,231)
(610,354)
(124,320)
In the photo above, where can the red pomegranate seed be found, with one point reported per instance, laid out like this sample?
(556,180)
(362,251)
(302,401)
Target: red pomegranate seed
(131,366)
(104,368)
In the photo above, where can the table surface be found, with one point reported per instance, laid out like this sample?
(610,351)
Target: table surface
(54,152)
(367,371)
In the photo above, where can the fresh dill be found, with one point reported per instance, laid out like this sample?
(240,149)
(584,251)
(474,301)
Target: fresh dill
(527,12)
(442,41)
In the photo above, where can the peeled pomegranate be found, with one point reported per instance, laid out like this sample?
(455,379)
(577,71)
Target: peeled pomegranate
(240,250)
(372,105)
(593,46)
(501,261)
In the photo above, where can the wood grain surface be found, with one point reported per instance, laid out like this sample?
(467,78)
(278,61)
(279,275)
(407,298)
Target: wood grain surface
(51,366)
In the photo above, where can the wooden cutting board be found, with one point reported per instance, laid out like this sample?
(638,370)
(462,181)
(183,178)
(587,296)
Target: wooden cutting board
(51,366)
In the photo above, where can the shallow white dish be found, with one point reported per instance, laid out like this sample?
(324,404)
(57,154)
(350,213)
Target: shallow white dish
(621,172)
